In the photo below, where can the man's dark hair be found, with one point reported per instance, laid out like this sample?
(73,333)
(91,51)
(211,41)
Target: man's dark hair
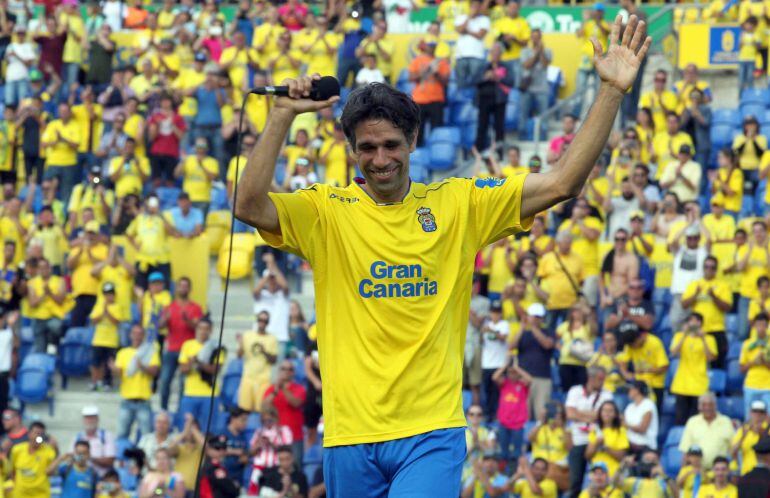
(284,448)
(713,259)
(763,279)
(82,442)
(540,459)
(111,475)
(721,459)
(37,424)
(185,279)
(380,101)
(761,317)
(697,316)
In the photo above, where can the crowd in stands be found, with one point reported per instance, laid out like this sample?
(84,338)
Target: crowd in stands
(620,346)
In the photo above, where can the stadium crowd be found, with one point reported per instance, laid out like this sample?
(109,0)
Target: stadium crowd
(619,347)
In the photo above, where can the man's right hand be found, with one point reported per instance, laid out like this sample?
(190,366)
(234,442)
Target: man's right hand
(298,101)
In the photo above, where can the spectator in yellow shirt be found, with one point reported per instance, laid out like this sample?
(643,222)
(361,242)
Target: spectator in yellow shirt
(90,194)
(149,233)
(749,44)
(72,55)
(61,140)
(152,302)
(29,464)
(51,236)
(378,45)
(667,143)
(116,270)
(551,441)
(755,363)
(86,251)
(560,272)
(688,83)
(727,186)
(198,170)
(599,485)
(749,147)
(749,434)
(46,294)
(105,317)
(136,365)
(199,360)
(660,101)
(333,156)
(14,225)
(720,486)
(695,349)
(608,440)
(531,480)
(691,471)
(128,172)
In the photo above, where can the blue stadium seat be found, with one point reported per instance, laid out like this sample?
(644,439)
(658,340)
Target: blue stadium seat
(671,460)
(672,368)
(732,406)
(27,342)
(467,399)
(40,360)
(514,95)
(555,377)
(734,377)
(406,86)
(455,94)
(121,445)
(451,134)
(403,76)
(167,196)
(756,110)
(442,156)
(299,370)
(730,117)
(469,135)
(755,96)
(219,199)
(747,207)
(734,351)
(74,360)
(674,435)
(511,115)
(721,135)
(34,385)
(731,321)
(461,113)
(231,381)
(418,173)
(418,164)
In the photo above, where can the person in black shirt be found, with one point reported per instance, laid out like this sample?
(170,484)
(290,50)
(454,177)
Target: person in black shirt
(756,483)
(535,344)
(631,313)
(285,478)
(237,444)
(492,95)
(215,482)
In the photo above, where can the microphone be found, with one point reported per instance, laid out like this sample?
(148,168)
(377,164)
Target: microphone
(323,89)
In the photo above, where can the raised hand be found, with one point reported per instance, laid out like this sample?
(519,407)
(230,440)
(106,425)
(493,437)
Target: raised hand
(620,64)
(298,100)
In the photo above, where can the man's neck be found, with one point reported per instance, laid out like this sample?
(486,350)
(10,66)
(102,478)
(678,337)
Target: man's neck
(710,419)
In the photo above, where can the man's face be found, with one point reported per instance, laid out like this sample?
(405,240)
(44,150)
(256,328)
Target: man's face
(90,423)
(82,453)
(183,288)
(286,461)
(10,420)
(760,232)
(513,157)
(137,335)
(262,321)
(761,328)
(513,9)
(709,269)
(382,153)
(184,204)
(691,73)
(8,252)
(610,342)
(564,244)
(626,190)
(599,478)
(692,241)
(536,37)
(636,290)
(539,470)
(44,268)
(660,81)
(240,421)
(672,124)
(597,380)
(203,331)
(287,371)
(34,433)
(620,241)
(568,125)
(708,408)
(721,471)
(64,112)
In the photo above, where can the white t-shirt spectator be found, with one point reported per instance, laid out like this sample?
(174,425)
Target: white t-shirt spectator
(14,54)
(6,349)
(688,267)
(468,45)
(578,399)
(302,181)
(634,414)
(277,304)
(494,352)
(102,444)
(397,14)
(366,75)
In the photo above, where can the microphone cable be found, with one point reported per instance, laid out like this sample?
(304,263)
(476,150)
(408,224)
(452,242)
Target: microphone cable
(212,398)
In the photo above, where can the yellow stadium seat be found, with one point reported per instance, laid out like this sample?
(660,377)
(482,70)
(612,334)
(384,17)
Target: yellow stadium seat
(217,228)
(242,264)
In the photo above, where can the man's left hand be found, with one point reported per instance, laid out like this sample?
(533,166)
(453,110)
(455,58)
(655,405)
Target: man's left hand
(620,64)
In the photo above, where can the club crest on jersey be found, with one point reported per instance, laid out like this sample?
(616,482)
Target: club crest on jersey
(426,219)
(490,182)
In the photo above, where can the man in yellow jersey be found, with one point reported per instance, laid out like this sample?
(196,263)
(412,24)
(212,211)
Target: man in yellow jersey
(648,356)
(61,140)
(393,263)
(752,262)
(29,463)
(199,360)
(599,485)
(754,363)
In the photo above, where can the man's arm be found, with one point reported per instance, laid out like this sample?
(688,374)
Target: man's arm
(253,205)
(617,69)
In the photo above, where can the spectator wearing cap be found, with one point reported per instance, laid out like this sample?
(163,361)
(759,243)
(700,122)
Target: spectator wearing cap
(92,193)
(749,146)
(207,122)
(61,139)
(533,83)
(46,294)
(288,398)
(692,475)
(711,298)
(709,429)
(198,171)
(718,225)
(600,484)
(149,233)
(748,434)
(166,129)
(215,480)
(756,483)
(683,176)
(107,315)
(86,251)
(696,122)
(695,350)
(20,55)
(582,406)
(181,318)
(429,75)
(755,362)
(128,171)
(535,344)
(560,272)
(101,49)
(49,233)
(689,258)
(199,360)
(160,437)
(152,302)
(135,366)
(29,462)
(641,418)
(667,142)
(271,294)
(486,479)
(494,354)
(237,455)
(720,485)
(101,441)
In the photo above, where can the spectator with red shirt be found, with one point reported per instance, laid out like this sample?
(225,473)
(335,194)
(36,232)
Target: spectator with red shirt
(166,129)
(51,46)
(560,142)
(180,318)
(512,410)
(293,14)
(14,429)
(264,444)
(288,398)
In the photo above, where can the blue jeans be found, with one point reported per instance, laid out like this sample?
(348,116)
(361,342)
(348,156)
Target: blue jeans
(750,395)
(168,366)
(198,406)
(582,84)
(469,71)
(514,69)
(213,135)
(660,296)
(745,75)
(46,332)
(421,466)
(743,317)
(507,438)
(530,102)
(134,411)
(69,76)
(68,176)
(16,91)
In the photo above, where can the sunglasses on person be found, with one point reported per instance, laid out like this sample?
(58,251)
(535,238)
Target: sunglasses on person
(620,239)
(262,320)
(474,414)
(709,267)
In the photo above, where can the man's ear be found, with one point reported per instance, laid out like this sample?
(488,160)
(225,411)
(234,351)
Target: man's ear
(413,145)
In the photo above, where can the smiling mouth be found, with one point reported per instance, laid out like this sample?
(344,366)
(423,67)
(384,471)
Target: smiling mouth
(384,174)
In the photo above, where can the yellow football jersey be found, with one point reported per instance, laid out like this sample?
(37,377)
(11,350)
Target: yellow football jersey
(392,285)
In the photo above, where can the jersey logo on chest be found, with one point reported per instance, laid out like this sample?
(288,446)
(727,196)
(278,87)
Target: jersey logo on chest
(427,219)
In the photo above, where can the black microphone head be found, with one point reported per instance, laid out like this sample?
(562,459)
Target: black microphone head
(325,88)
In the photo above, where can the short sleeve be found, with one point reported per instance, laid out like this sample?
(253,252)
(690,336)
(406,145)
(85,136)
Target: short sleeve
(496,208)
(711,343)
(155,360)
(184,353)
(678,337)
(690,290)
(725,294)
(518,486)
(300,221)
